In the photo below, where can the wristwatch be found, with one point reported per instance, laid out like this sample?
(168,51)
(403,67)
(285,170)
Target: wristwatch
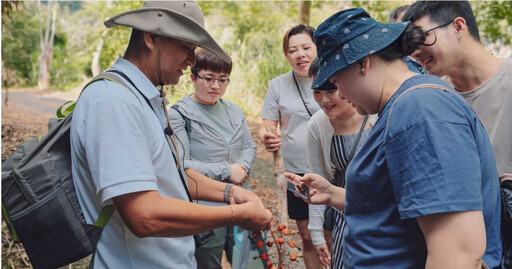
(226,193)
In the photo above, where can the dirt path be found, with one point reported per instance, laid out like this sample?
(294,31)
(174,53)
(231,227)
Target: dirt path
(26,116)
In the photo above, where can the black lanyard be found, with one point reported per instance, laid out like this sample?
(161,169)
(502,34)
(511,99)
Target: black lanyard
(300,93)
(357,139)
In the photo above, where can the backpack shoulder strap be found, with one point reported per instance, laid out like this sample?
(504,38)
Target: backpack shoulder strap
(105,214)
(108,210)
(188,128)
(420,86)
(61,112)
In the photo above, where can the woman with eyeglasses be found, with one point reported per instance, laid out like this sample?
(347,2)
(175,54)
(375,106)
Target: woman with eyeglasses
(216,141)
(289,103)
(423,191)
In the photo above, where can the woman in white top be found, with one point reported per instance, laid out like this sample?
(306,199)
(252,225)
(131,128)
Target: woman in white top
(334,135)
(289,102)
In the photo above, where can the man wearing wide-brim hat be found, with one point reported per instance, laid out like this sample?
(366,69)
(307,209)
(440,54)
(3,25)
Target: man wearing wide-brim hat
(124,151)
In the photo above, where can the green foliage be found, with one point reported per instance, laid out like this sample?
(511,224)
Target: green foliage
(254,45)
(250,31)
(380,10)
(117,38)
(494,20)
(8,7)
(20,45)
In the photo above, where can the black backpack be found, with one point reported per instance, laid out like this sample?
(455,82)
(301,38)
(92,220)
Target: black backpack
(39,202)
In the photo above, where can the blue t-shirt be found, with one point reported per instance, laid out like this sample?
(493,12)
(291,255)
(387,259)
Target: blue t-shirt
(434,157)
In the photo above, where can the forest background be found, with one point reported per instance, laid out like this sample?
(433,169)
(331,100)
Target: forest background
(59,46)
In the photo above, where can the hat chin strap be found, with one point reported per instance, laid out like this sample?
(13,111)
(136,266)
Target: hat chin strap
(160,82)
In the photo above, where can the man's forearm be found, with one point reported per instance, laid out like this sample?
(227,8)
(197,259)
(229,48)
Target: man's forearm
(149,214)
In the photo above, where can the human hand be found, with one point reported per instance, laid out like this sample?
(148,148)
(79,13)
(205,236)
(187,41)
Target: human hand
(240,195)
(252,216)
(320,189)
(323,254)
(271,141)
(238,174)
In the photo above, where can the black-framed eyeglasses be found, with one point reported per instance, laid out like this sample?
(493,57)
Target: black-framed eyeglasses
(437,27)
(210,81)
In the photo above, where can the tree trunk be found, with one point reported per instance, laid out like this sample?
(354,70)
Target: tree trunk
(44,68)
(305,10)
(96,56)
(282,205)
(6,98)
(47,35)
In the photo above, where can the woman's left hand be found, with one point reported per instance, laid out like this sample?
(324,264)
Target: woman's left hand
(323,254)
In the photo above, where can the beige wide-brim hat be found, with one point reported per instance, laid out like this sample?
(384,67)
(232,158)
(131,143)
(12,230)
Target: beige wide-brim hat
(181,20)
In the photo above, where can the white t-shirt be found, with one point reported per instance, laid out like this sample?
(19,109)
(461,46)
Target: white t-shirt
(118,147)
(283,104)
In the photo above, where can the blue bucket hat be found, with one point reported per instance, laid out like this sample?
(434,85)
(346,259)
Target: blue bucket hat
(347,37)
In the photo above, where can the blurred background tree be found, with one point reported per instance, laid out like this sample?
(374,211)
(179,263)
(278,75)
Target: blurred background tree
(250,31)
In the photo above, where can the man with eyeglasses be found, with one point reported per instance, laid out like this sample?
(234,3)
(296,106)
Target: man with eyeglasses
(216,141)
(453,49)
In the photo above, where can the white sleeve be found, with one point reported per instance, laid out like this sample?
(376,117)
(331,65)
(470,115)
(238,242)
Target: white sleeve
(316,223)
(317,166)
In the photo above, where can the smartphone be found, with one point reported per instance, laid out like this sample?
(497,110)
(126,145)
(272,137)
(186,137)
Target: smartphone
(304,195)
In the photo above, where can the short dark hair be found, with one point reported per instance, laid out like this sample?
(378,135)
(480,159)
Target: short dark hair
(313,68)
(442,11)
(295,30)
(206,60)
(393,16)
(136,44)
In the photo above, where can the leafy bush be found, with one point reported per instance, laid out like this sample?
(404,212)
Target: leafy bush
(20,45)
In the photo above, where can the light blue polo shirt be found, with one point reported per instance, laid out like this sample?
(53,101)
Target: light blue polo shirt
(118,147)
(434,157)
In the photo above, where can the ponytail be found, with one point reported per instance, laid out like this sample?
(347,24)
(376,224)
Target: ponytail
(411,39)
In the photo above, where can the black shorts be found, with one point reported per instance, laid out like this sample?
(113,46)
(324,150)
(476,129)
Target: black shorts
(297,208)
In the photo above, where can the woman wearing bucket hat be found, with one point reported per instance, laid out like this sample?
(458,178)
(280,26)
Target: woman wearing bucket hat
(423,191)
(289,102)
(123,149)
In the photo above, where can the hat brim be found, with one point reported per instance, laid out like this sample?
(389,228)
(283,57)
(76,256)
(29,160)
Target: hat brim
(356,49)
(177,26)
